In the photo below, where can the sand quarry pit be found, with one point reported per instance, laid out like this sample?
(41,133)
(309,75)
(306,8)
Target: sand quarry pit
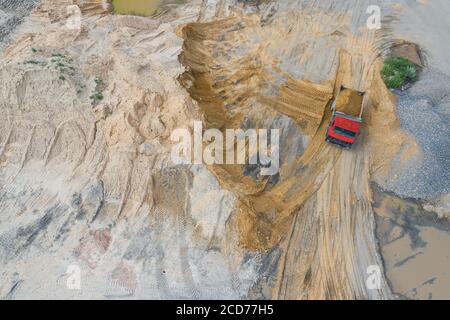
(119,208)
(319,211)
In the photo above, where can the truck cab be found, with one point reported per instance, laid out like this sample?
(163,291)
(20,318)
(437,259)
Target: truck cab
(346,120)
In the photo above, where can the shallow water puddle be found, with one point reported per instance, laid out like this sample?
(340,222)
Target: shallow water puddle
(136,7)
(414,245)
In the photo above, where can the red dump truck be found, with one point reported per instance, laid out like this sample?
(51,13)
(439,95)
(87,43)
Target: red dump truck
(346,120)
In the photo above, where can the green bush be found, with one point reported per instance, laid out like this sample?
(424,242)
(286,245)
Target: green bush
(398,72)
(97,96)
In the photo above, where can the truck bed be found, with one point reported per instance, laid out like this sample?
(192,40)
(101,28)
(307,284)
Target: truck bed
(349,102)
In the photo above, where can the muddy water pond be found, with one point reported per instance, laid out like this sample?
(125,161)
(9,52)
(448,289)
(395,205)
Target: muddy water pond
(136,7)
(414,246)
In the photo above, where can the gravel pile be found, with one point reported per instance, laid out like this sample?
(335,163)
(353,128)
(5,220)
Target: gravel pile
(12,13)
(424,112)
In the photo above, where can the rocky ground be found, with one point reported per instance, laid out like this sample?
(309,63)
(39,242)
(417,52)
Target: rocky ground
(423,111)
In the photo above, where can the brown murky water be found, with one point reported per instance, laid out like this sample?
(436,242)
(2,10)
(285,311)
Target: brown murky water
(414,245)
(136,7)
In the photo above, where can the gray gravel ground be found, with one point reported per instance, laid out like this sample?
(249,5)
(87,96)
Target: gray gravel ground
(12,13)
(424,112)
